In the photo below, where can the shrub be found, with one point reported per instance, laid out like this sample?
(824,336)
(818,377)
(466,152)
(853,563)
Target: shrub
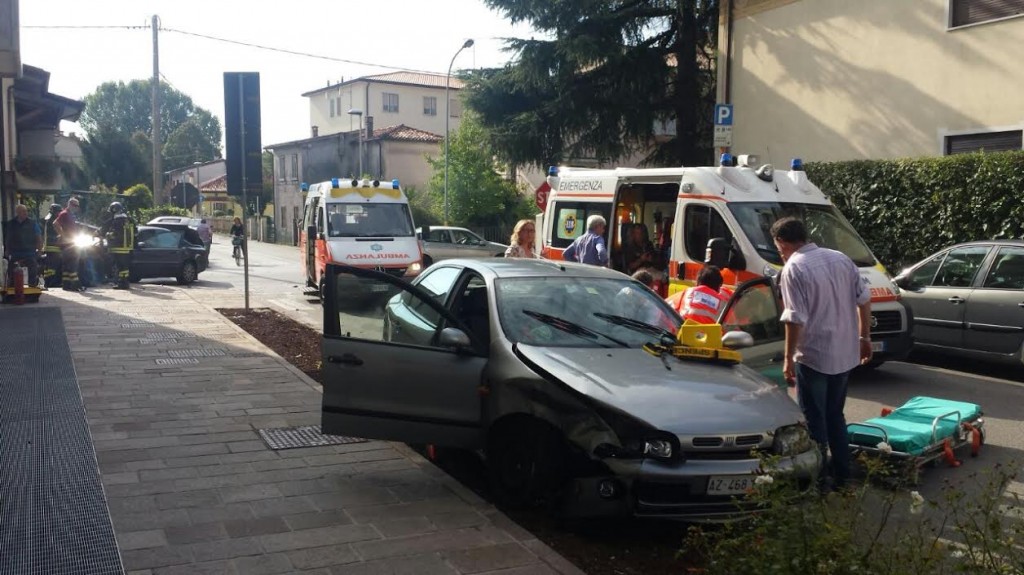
(906,209)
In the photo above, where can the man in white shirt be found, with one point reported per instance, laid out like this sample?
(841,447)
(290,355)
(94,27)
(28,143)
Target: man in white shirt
(827,317)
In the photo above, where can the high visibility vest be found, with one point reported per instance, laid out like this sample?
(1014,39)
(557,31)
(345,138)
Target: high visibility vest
(702,304)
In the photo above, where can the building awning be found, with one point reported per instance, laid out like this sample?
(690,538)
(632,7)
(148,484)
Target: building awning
(35,108)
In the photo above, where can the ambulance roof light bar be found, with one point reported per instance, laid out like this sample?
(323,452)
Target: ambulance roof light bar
(797,165)
(727,160)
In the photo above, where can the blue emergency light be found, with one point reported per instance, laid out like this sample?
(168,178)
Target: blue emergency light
(797,165)
(727,160)
(335,183)
(304,187)
(552,171)
(394,183)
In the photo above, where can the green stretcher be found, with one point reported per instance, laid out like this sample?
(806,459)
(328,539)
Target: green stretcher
(921,431)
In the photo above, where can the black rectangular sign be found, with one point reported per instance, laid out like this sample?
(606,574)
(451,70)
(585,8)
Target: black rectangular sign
(242,132)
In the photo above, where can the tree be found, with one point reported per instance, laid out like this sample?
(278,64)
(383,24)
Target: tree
(611,71)
(113,159)
(126,109)
(138,198)
(477,194)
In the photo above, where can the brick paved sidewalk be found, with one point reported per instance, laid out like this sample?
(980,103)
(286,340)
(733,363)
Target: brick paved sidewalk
(174,394)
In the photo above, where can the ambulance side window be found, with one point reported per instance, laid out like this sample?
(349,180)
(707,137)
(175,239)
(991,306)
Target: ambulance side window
(700,224)
(570,221)
(320,226)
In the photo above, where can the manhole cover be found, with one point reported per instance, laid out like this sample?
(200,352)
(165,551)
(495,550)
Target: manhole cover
(304,436)
(177,361)
(204,352)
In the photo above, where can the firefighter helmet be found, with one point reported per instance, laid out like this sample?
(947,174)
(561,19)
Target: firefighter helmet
(116,208)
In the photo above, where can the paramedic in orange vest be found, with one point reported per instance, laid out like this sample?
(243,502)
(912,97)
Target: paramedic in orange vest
(704,301)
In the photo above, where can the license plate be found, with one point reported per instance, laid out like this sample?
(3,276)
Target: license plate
(730,484)
(877,346)
(379,287)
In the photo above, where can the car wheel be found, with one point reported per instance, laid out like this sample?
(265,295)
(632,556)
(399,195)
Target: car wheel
(189,273)
(526,463)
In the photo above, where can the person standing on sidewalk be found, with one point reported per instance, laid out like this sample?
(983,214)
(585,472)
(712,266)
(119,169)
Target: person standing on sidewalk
(827,317)
(22,240)
(66,225)
(119,232)
(51,247)
(590,248)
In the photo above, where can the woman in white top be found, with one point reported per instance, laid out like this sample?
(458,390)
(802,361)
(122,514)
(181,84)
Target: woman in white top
(522,241)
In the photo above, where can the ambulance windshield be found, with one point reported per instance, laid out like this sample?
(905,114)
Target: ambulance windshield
(826,227)
(368,220)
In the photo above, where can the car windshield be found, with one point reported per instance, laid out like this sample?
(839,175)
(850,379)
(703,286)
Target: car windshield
(826,227)
(581,312)
(368,220)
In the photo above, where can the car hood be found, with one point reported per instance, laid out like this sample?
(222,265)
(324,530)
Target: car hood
(692,398)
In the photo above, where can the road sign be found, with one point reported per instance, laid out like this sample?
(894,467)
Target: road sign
(723,125)
(540,196)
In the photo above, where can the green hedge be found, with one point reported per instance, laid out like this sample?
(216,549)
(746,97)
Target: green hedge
(907,209)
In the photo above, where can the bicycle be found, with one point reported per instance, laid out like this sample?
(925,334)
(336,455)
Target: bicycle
(237,242)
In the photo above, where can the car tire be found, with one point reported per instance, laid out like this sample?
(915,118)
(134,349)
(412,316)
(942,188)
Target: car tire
(189,273)
(526,463)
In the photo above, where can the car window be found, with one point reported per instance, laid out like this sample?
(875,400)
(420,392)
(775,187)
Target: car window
(571,219)
(162,239)
(1008,270)
(438,283)
(439,236)
(463,237)
(925,273)
(960,266)
(471,308)
(756,311)
(701,224)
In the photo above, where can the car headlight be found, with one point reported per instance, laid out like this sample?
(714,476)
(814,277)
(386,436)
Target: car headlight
(414,269)
(770,271)
(655,448)
(82,241)
(791,440)
(658,448)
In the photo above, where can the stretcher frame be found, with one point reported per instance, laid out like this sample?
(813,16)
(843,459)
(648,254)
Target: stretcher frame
(970,431)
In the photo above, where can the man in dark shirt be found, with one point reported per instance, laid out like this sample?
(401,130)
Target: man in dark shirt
(66,225)
(22,240)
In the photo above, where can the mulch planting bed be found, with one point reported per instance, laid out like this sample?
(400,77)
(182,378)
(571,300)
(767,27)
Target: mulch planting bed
(297,343)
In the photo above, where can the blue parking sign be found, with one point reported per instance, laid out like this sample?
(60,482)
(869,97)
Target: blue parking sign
(723,114)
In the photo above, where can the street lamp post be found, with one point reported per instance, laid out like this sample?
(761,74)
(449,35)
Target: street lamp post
(199,193)
(447,117)
(358,112)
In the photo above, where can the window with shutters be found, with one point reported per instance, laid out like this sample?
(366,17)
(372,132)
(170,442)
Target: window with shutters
(984,142)
(295,167)
(429,106)
(965,12)
(390,102)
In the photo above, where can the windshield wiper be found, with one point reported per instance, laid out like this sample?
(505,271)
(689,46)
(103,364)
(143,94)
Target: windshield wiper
(636,325)
(571,328)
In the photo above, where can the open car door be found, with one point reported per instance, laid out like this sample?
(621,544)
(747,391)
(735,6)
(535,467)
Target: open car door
(397,364)
(755,307)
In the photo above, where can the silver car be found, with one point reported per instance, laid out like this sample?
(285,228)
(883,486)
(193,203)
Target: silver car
(541,366)
(968,299)
(446,242)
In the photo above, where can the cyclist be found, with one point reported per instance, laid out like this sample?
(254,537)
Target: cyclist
(237,238)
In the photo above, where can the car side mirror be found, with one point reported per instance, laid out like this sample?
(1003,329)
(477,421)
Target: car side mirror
(903,282)
(455,339)
(717,253)
(140,245)
(737,340)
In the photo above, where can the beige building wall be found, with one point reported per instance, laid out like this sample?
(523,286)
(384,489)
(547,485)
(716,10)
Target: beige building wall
(407,161)
(842,79)
(411,109)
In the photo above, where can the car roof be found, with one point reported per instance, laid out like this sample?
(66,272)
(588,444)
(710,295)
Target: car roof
(164,226)
(985,243)
(524,268)
(445,228)
(169,219)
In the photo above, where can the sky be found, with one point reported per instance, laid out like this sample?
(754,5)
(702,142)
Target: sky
(375,36)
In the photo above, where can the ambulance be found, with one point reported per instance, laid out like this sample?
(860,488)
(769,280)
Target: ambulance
(681,210)
(363,223)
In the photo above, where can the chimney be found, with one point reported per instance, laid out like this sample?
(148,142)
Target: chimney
(369,128)
(316,131)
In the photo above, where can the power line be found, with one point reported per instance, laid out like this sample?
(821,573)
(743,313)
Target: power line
(98,27)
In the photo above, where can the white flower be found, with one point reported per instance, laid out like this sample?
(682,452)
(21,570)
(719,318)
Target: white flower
(958,554)
(764,480)
(916,503)
(884,448)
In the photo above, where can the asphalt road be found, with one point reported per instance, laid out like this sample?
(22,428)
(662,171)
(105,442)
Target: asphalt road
(275,281)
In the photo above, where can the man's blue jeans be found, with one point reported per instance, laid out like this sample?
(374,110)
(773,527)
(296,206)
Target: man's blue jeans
(822,398)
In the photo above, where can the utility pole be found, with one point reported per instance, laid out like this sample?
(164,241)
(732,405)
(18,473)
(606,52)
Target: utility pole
(155,105)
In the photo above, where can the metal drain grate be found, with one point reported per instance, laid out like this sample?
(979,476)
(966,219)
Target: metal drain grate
(53,513)
(248,354)
(304,436)
(177,361)
(159,335)
(205,352)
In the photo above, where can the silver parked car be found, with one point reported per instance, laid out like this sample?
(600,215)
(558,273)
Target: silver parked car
(446,242)
(969,299)
(541,366)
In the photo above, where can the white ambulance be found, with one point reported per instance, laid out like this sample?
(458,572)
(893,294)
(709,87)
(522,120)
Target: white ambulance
(363,223)
(679,210)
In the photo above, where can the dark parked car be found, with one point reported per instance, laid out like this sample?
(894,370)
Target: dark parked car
(168,250)
(968,299)
(541,366)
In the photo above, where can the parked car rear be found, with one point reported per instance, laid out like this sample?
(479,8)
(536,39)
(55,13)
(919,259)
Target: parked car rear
(168,250)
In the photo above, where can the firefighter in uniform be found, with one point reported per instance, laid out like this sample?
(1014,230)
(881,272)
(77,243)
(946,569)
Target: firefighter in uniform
(51,248)
(66,225)
(119,231)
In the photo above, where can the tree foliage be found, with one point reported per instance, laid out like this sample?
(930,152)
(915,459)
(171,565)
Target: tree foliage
(137,198)
(608,72)
(192,133)
(113,159)
(477,194)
